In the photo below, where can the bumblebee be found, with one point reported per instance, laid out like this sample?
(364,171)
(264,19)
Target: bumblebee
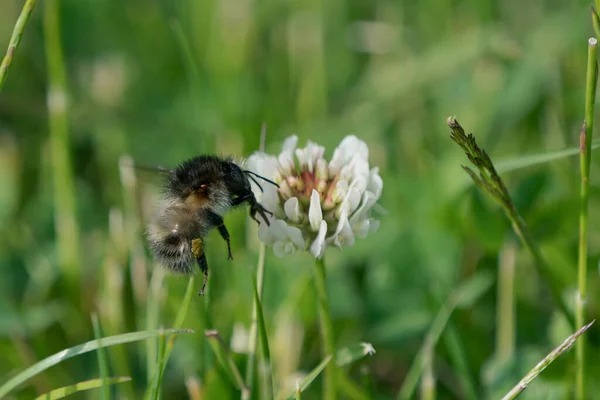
(197,193)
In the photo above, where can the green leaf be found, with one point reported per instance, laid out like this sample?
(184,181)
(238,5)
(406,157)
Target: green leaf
(81,349)
(224,356)
(81,386)
(467,293)
(348,355)
(539,158)
(311,377)
(154,389)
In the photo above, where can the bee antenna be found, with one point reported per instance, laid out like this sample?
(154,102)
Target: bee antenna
(257,184)
(261,177)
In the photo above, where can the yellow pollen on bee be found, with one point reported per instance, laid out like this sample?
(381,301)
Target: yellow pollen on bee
(197,248)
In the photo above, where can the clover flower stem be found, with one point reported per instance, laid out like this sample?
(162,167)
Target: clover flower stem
(329,387)
(585,149)
(252,336)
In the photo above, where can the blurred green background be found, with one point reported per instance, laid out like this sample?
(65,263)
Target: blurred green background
(164,80)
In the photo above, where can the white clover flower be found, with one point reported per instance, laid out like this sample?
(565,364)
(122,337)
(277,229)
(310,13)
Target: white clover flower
(319,204)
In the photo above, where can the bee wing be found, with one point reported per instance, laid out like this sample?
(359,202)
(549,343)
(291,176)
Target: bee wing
(128,167)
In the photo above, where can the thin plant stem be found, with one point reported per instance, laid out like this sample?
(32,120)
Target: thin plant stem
(585,143)
(553,355)
(428,379)
(102,360)
(15,39)
(440,321)
(252,337)
(490,182)
(505,315)
(67,232)
(260,276)
(327,339)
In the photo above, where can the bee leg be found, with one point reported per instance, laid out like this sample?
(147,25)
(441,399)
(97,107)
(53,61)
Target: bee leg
(217,220)
(198,251)
(255,207)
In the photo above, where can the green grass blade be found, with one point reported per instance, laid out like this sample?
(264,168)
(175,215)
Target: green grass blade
(153,308)
(154,390)
(92,345)
(185,304)
(179,319)
(535,371)
(81,386)
(348,355)
(15,40)
(224,356)
(539,158)
(467,293)
(298,390)
(311,377)
(102,361)
(266,370)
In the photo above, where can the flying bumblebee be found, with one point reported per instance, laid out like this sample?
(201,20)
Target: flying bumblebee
(197,193)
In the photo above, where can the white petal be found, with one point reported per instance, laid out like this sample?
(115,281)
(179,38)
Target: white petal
(375,182)
(308,156)
(318,246)
(315,214)
(264,165)
(374,225)
(292,209)
(286,157)
(346,236)
(264,234)
(349,147)
(286,163)
(290,248)
(279,249)
(322,169)
(289,144)
(340,190)
(343,235)
(350,202)
(295,236)
(361,228)
(368,201)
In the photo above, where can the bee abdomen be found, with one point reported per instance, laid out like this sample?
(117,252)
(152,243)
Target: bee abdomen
(174,252)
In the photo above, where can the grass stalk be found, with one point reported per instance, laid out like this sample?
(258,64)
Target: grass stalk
(585,143)
(505,315)
(67,232)
(553,355)
(491,183)
(15,39)
(327,338)
(160,365)
(464,295)
(82,386)
(102,358)
(428,380)
(92,345)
